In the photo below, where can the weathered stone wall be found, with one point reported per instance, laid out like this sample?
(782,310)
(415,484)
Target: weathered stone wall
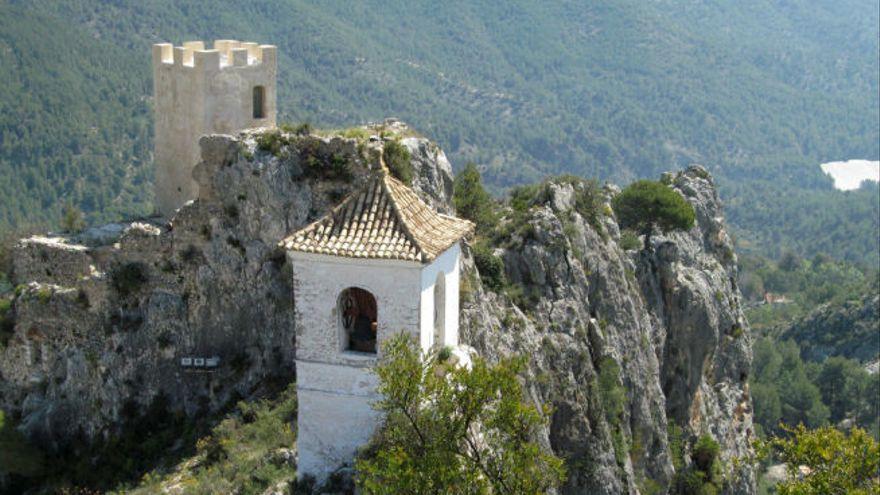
(198,92)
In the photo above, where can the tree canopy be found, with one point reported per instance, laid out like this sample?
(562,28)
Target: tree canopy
(646,204)
(454,429)
(472,201)
(827,461)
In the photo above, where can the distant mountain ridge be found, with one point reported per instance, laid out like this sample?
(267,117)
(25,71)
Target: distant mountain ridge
(759,92)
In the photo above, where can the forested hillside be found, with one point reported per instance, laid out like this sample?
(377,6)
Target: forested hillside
(759,92)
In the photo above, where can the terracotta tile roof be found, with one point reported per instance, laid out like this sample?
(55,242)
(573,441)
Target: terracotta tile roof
(385,219)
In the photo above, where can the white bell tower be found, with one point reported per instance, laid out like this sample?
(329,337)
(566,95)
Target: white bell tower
(381,263)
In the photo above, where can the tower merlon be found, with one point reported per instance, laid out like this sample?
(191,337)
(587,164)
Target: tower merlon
(226,53)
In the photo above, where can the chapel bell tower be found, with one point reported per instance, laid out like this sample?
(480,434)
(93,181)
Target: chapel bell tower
(380,263)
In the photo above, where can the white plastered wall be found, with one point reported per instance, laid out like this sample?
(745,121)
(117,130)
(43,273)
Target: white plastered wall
(318,280)
(335,387)
(447,264)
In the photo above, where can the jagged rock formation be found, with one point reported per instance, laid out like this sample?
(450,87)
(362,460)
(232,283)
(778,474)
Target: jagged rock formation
(669,320)
(621,343)
(850,329)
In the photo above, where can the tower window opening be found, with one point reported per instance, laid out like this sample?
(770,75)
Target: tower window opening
(259,102)
(358,310)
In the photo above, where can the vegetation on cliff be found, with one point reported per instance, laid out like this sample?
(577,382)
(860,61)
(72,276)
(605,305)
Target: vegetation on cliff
(645,205)
(454,429)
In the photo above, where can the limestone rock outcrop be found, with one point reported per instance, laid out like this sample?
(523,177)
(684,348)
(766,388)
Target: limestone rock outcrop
(623,346)
(667,325)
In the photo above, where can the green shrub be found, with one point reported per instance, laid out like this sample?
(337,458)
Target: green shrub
(646,204)
(127,279)
(72,220)
(522,198)
(445,430)
(472,201)
(340,168)
(18,458)
(303,129)
(629,240)
(705,453)
(44,294)
(444,354)
(7,321)
(839,462)
(271,142)
(704,476)
(589,202)
(491,267)
(397,159)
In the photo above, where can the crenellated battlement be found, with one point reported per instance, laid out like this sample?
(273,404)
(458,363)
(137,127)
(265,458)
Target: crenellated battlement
(226,53)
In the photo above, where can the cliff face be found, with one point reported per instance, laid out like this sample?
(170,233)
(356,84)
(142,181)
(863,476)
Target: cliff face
(666,327)
(622,344)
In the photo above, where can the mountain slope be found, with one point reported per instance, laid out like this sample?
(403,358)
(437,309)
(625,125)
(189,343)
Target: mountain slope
(760,92)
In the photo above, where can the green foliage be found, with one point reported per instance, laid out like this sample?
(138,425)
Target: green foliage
(472,201)
(629,240)
(849,391)
(7,243)
(550,90)
(772,217)
(645,205)
(836,462)
(128,278)
(829,309)
(7,321)
(398,161)
(612,396)
(704,475)
(19,460)
(271,142)
(72,221)
(705,453)
(781,388)
(491,267)
(240,455)
(588,200)
(303,129)
(676,445)
(454,429)
(611,392)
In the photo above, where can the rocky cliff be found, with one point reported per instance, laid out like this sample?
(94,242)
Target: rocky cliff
(625,346)
(666,325)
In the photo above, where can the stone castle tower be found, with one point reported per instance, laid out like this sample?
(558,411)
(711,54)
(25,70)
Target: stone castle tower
(198,92)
